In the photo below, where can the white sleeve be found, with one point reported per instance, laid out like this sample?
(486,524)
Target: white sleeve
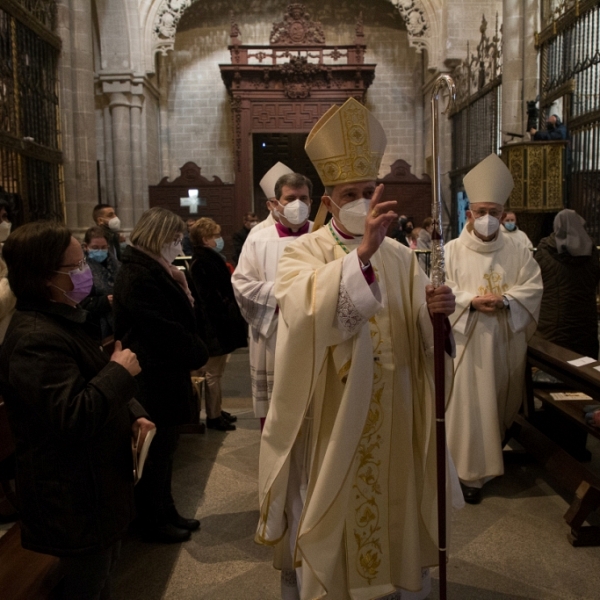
(518,316)
(358,301)
(254,295)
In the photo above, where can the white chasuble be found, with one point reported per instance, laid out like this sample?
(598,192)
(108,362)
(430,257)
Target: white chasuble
(353,385)
(253,281)
(489,368)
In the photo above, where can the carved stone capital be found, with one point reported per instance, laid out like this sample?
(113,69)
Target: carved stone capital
(165,24)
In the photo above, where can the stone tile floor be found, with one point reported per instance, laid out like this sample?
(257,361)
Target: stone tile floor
(512,546)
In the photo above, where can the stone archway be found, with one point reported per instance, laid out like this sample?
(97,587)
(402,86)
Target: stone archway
(420,16)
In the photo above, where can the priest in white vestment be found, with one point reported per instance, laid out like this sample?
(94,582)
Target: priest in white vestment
(254,278)
(267,185)
(509,227)
(498,288)
(347,477)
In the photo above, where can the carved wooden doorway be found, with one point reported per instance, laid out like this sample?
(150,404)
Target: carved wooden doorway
(284,88)
(269,148)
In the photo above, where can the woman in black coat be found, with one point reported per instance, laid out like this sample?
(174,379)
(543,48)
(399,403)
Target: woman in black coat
(570,269)
(154,316)
(71,412)
(224,326)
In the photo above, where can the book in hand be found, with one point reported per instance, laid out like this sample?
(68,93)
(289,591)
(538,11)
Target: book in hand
(140,454)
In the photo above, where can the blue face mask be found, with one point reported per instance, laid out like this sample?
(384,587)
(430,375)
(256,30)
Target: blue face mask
(98,255)
(510,226)
(220,244)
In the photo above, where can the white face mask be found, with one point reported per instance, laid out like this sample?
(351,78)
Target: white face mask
(171,251)
(353,215)
(114,224)
(295,212)
(486,225)
(5,228)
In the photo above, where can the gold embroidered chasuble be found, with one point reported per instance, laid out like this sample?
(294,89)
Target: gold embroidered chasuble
(364,401)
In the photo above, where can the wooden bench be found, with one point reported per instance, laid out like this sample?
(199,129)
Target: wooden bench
(24,575)
(529,430)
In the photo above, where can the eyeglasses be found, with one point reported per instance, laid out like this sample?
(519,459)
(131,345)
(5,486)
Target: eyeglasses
(79,265)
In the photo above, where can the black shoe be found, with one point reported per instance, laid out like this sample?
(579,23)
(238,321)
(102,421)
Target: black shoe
(182,523)
(220,424)
(228,416)
(472,495)
(166,534)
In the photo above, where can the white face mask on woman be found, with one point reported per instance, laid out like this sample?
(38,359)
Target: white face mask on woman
(5,227)
(295,212)
(171,251)
(353,215)
(486,225)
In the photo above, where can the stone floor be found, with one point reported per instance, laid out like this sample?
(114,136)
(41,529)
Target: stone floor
(513,546)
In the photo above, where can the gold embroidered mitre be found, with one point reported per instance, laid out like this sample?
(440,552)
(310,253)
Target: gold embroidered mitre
(346,144)
(489,181)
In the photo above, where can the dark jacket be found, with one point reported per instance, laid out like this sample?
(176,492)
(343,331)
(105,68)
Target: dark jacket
(239,239)
(210,283)
(97,303)
(70,412)
(154,317)
(114,241)
(568,314)
(558,133)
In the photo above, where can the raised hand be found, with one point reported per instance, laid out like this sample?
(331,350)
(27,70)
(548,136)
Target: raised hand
(378,220)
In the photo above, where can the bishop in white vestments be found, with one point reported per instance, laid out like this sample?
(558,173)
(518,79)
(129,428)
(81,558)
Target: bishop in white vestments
(347,477)
(498,288)
(254,277)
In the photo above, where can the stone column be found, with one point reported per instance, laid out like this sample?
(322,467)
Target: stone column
(108,154)
(120,104)
(531,24)
(419,150)
(77,111)
(512,68)
(163,107)
(136,156)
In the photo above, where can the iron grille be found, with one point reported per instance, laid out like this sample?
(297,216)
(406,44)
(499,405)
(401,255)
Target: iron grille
(476,122)
(30,157)
(570,71)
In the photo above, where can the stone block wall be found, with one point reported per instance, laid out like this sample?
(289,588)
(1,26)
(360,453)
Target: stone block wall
(200,127)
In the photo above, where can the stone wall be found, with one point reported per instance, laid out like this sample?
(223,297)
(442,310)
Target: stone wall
(200,127)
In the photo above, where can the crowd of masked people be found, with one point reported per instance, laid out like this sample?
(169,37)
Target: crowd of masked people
(77,398)
(75,405)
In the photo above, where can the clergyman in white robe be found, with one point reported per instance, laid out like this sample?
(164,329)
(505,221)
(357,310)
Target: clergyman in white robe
(347,478)
(253,282)
(489,368)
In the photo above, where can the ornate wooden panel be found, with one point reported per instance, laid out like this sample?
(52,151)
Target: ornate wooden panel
(538,172)
(287,85)
(217,198)
(412,194)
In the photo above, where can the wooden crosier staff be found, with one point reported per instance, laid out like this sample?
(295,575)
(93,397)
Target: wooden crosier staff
(437,279)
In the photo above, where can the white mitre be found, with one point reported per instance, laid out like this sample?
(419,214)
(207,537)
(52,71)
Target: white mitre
(489,181)
(267,183)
